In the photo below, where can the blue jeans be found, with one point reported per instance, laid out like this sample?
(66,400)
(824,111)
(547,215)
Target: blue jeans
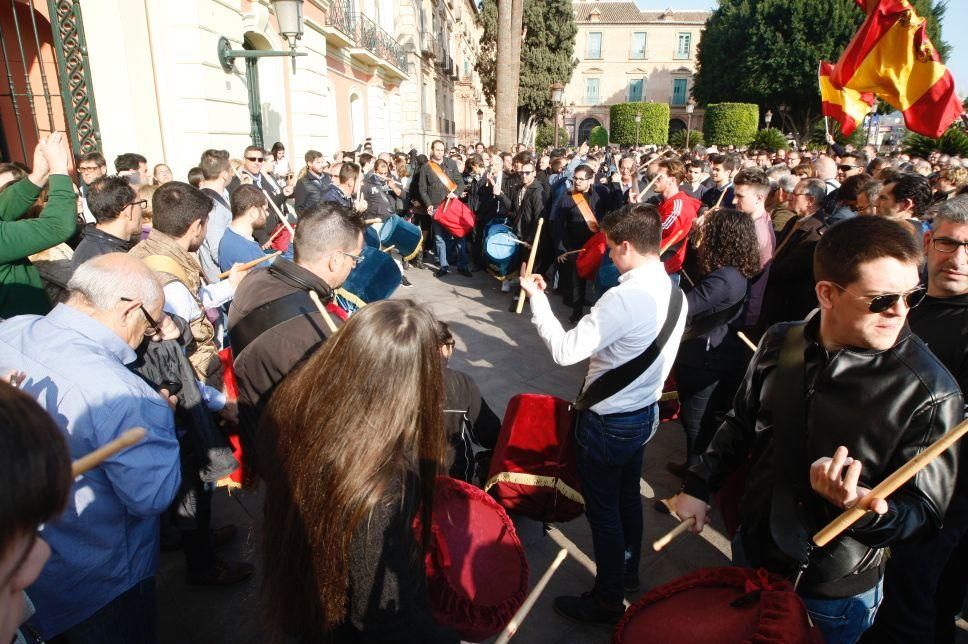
(444,241)
(610,452)
(842,620)
(132,616)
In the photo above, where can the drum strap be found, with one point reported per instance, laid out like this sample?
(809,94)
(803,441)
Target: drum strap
(444,179)
(586,211)
(267,317)
(617,379)
(535,480)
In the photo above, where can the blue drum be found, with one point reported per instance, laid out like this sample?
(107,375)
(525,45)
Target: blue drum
(400,233)
(373,279)
(371,237)
(501,249)
(607,276)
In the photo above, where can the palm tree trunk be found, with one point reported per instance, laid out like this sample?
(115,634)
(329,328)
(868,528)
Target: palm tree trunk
(517,38)
(508,70)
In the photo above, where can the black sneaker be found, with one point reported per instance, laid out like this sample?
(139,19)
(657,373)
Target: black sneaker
(441,272)
(404,282)
(587,609)
(464,272)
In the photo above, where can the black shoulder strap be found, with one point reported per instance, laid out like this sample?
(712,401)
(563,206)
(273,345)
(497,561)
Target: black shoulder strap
(705,324)
(268,316)
(615,380)
(216,196)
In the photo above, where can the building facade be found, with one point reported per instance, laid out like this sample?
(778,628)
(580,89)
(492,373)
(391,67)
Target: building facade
(628,55)
(145,76)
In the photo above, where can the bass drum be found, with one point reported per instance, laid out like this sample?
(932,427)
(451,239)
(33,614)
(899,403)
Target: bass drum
(375,278)
(501,249)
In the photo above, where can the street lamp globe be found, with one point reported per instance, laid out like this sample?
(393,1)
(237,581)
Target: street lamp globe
(557,89)
(690,106)
(480,116)
(289,15)
(768,117)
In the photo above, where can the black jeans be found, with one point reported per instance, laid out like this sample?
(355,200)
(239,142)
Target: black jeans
(130,617)
(610,452)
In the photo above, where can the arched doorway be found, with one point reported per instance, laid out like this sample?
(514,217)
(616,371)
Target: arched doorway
(676,125)
(585,129)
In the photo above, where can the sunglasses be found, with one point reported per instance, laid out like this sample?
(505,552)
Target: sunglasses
(531,172)
(846,168)
(255,159)
(881,303)
(153,327)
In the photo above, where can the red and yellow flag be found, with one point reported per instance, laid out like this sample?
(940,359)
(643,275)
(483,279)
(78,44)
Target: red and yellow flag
(846,106)
(892,57)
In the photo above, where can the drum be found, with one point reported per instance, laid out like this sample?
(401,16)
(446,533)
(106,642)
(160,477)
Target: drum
(719,605)
(371,237)
(590,259)
(455,217)
(500,248)
(607,275)
(477,573)
(400,233)
(373,279)
(533,468)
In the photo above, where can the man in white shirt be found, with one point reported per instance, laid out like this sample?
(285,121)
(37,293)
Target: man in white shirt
(612,432)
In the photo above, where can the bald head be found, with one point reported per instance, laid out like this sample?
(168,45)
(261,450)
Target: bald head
(825,168)
(103,280)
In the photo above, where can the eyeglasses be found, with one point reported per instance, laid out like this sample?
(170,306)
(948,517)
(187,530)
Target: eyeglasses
(582,179)
(255,159)
(139,202)
(88,168)
(356,258)
(153,327)
(881,303)
(945,245)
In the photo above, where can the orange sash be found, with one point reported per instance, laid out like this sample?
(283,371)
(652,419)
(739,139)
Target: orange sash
(586,211)
(444,179)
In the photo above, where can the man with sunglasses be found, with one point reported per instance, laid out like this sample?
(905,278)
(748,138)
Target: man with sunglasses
(925,583)
(829,408)
(117,212)
(252,161)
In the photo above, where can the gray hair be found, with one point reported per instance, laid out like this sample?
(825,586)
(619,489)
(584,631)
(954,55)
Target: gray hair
(954,211)
(816,189)
(788,182)
(105,279)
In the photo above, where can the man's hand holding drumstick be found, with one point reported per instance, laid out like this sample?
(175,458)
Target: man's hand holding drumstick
(533,283)
(837,485)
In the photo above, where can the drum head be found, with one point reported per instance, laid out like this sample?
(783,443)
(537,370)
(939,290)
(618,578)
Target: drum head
(386,232)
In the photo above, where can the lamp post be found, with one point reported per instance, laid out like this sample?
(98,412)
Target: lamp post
(768,117)
(557,89)
(638,120)
(289,15)
(480,125)
(690,106)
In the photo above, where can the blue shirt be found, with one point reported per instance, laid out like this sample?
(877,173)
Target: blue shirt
(236,249)
(108,539)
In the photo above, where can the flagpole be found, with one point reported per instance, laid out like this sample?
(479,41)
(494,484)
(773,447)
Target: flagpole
(826,126)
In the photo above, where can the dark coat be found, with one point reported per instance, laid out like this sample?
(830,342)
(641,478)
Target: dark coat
(529,207)
(309,190)
(431,190)
(278,198)
(790,293)
(95,242)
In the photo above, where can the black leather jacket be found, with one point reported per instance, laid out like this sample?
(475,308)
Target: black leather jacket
(884,406)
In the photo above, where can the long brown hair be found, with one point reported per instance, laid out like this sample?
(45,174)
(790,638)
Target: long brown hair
(337,439)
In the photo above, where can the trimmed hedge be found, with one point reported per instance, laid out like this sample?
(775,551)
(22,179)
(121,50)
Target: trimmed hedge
(731,123)
(598,136)
(770,138)
(545,135)
(654,128)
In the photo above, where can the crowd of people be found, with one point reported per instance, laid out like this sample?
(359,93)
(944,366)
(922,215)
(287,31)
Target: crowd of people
(206,309)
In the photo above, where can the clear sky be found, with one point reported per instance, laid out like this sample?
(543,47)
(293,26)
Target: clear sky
(954,30)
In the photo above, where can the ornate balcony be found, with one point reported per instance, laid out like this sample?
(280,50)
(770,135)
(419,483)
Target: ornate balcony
(339,27)
(376,47)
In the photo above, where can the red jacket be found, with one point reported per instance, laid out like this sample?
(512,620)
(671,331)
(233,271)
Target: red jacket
(677,214)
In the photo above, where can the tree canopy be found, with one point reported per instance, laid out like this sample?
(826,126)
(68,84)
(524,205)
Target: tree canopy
(547,55)
(767,52)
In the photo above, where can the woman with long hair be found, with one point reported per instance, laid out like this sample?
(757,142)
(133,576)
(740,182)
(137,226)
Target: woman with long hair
(349,461)
(281,167)
(711,358)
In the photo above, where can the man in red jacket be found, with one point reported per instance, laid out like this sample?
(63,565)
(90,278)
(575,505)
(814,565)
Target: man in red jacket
(677,211)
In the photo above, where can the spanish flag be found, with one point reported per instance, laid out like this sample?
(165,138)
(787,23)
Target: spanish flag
(892,57)
(846,106)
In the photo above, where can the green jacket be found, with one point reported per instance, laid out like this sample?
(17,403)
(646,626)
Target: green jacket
(21,290)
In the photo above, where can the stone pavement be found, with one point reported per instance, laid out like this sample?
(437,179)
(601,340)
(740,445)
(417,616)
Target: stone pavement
(503,353)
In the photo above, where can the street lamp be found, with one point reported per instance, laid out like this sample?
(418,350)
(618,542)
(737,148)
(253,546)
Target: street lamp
(480,125)
(638,119)
(557,89)
(768,117)
(690,106)
(289,15)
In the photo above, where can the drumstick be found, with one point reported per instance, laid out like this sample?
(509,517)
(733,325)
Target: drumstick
(683,272)
(572,252)
(275,234)
(370,222)
(720,200)
(103,453)
(672,242)
(534,252)
(889,485)
(322,310)
(649,185)
(389,248)
(512,628)
(284,220)
(252,264)
(523,243)
(667,538)
(746,341)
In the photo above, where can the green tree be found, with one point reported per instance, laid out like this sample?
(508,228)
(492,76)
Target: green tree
(653,127)
(767,52)
(547,55)
(597,136)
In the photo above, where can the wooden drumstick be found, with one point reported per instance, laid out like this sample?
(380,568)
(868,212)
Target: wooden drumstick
(322,310)
(889,485)
(746,340)
(512,628)
(646,189)
(667,538)
(530,266)
(389,248)
(283,219)
(572,252)
(720,200)
(370,222)
(103,453)
(672,242)
(252,264)
(275,234)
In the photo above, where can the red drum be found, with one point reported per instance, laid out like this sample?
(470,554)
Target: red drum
(455,217)
(721,605)
(533,469)
(477,573)
(591,256)
(232,392)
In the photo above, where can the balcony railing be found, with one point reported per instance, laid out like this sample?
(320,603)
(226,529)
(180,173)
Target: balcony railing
(340,16)
(373,38)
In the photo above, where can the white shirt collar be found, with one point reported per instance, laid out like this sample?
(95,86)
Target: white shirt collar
(648,270)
